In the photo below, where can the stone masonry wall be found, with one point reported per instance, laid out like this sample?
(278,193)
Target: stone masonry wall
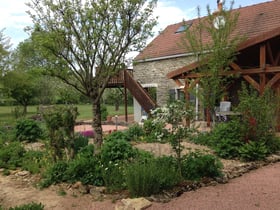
(156,71)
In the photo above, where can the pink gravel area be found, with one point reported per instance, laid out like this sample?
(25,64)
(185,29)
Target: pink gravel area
(257,190)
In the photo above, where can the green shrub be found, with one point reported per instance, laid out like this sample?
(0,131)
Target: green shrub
(226,139)
(203,138)
(85,169)
(27,130)
(11,155)
(117,150)
(134,132)
(116,136)
(29,206)
(228,148)
(253,151)
(114,176)
(80,142)
(55,174)
(151,177)
(273,144)
(104,112)
(231,130)
(32,161)
(154,131)
(196,166)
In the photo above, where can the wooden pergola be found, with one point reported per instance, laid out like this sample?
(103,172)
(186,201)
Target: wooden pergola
(257,62)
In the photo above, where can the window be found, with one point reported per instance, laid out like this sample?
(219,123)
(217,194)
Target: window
(183,27)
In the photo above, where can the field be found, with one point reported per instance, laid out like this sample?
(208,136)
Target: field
(7,114)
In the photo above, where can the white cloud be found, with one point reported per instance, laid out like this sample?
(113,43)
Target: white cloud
(168,14)
(14,19)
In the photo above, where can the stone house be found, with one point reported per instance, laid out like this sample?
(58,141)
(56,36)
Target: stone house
(165,63)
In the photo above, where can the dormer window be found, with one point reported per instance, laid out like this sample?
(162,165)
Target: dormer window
(183,27)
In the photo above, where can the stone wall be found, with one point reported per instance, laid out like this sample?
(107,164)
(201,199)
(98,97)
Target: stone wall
(156,71)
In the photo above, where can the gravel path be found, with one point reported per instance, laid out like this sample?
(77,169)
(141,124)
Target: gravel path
(258,189)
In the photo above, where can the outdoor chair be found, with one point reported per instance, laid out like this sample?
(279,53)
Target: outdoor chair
(222,110)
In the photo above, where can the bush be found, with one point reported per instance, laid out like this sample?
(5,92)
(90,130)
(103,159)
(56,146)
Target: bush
(117,150)
(32,161)
(273,144)
(151,177)
(29,206)
(196,166)
(85,168)
(114,176)
(134,132)
(201,138)
(55,174)
(116,136)
(27,130)
(226,139)
(253,151)
(80,142)
(104,112)
(228,148)
(154,131)
(11,155)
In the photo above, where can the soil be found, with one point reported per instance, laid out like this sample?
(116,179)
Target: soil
(258,189)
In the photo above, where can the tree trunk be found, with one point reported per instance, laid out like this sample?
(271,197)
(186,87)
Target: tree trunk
(24,110)
(96,124)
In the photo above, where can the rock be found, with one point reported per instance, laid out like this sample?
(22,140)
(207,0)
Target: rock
(23,173)
(77,185)
(133,204)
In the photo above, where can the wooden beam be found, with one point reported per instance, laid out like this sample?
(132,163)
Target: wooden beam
(178,82)
(182,70)
(196,81)
(269,52)
(277,59)
(246,77)
(237,70)
(252,82)
(262,56)
(271,82)
(262,83)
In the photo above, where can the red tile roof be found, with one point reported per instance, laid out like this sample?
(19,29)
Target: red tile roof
(253,21)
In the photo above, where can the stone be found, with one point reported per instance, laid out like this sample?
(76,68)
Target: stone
(133,204)
(23,173)
(77,185)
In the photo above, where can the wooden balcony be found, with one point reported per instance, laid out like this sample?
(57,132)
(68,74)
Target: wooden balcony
(118,80)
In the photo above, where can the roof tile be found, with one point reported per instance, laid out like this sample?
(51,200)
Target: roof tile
(253,21)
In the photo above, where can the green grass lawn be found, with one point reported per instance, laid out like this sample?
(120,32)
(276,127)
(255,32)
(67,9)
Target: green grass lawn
(85,112)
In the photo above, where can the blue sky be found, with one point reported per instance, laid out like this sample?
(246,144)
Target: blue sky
(14,19)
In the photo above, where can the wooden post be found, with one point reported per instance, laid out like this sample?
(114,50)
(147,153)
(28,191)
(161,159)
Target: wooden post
(125,95)
(187,97)
(263,67)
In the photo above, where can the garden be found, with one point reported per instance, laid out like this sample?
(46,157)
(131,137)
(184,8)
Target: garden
(122,168)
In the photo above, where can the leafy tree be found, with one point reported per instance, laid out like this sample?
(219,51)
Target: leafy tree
(20,86)
(26,58)
(4,52)
(89,40)
(215,55)
(114,97)
(4,58)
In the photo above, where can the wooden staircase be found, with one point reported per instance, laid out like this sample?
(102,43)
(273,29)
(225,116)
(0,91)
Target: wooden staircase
(125,79)
(139,93)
